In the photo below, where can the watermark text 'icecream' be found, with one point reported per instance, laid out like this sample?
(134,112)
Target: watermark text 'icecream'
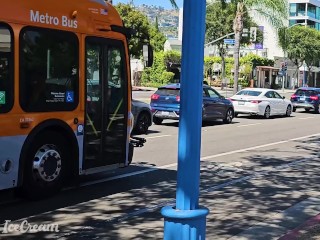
(26,227)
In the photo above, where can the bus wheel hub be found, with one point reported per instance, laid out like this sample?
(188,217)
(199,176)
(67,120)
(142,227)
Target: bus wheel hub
(47,163)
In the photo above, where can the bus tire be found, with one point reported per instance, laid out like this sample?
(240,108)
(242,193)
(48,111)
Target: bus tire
(45,165)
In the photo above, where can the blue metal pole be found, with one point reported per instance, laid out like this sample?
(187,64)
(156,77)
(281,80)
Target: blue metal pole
(187,220)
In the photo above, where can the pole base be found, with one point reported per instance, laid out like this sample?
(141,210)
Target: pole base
(184,224)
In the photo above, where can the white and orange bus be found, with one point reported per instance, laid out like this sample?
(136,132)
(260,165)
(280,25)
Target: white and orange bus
(65,93)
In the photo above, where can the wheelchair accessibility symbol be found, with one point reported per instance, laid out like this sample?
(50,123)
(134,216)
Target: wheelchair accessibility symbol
(69,96)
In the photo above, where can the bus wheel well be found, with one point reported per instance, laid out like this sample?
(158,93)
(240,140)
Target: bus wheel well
(65,132)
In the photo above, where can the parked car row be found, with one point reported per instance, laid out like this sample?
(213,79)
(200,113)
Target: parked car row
(165,104)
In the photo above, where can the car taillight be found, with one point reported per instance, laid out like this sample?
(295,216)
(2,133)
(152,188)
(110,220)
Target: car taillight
(256,101)
(155,97)
(178,98)
(293,96)
(315,98)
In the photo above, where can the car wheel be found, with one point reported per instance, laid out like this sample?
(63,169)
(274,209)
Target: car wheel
(143,123)
(294,109)
(267,113)
(307,109)
(157,121)
(289,111)
(229,116)
(45,165)
(316,109)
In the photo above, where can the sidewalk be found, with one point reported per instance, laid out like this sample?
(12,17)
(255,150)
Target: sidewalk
(299,222)
(139,88)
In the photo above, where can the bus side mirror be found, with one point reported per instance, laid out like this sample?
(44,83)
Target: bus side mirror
(147,55)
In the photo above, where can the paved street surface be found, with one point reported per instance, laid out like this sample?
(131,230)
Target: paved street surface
(259,178)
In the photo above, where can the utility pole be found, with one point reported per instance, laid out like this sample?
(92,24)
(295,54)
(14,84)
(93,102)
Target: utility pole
(187,220)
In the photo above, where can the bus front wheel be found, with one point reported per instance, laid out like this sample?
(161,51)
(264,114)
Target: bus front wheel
(45,165)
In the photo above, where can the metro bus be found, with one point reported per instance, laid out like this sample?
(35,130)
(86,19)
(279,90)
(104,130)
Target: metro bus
(65,93)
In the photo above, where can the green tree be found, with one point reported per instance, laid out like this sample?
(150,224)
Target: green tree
(139,22)
(312,53)
(274,11)
(156,24)
(144,31)
(157,39)
(302,45)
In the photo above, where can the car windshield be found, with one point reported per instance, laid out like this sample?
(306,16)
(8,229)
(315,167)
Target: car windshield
(249,93)
(304,92)
(168,92)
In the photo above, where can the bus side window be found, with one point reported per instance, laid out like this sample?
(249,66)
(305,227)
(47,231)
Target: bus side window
(6,69)
(49,75)
(116,87)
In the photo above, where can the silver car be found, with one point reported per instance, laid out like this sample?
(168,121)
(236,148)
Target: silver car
(142,116)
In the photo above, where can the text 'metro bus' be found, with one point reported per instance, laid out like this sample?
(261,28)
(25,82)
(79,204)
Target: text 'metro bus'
(65,93)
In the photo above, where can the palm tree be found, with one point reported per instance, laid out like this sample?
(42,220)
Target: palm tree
(274,11)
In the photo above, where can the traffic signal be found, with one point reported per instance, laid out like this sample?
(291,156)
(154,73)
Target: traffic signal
(253,34)
(284,66)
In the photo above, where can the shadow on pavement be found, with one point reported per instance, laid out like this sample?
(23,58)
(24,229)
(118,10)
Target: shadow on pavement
(264,182)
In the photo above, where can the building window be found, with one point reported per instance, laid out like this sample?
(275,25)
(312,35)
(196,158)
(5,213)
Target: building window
(311,24)
(49,71)
(301,9)
(293,9)
(311,11)
(292,22)
(6,69)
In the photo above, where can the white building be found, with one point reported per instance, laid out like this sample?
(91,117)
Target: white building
(173,44)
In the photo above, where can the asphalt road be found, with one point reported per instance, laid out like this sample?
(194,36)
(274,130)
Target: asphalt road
(250,169)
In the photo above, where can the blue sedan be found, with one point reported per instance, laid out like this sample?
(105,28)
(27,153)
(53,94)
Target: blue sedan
(165,104)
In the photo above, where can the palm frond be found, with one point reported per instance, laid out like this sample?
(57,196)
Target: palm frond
(273,11)
(174,4)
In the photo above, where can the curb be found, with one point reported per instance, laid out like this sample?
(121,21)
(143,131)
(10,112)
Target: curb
(306,230)
(146,89)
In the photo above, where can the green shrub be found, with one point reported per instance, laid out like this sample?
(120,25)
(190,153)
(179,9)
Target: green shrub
(167,77)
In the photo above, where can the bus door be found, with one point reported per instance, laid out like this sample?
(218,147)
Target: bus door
(106,103)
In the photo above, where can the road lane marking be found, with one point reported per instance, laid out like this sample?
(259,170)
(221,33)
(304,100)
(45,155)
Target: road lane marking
(161,136)
(151,169)
(306,118)
(259,146)
(248,125)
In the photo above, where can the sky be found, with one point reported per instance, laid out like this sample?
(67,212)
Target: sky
(163,3)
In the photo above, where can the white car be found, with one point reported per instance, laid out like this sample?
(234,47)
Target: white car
(262,102)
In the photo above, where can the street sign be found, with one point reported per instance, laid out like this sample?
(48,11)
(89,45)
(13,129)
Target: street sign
(229,41)
(258,46)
